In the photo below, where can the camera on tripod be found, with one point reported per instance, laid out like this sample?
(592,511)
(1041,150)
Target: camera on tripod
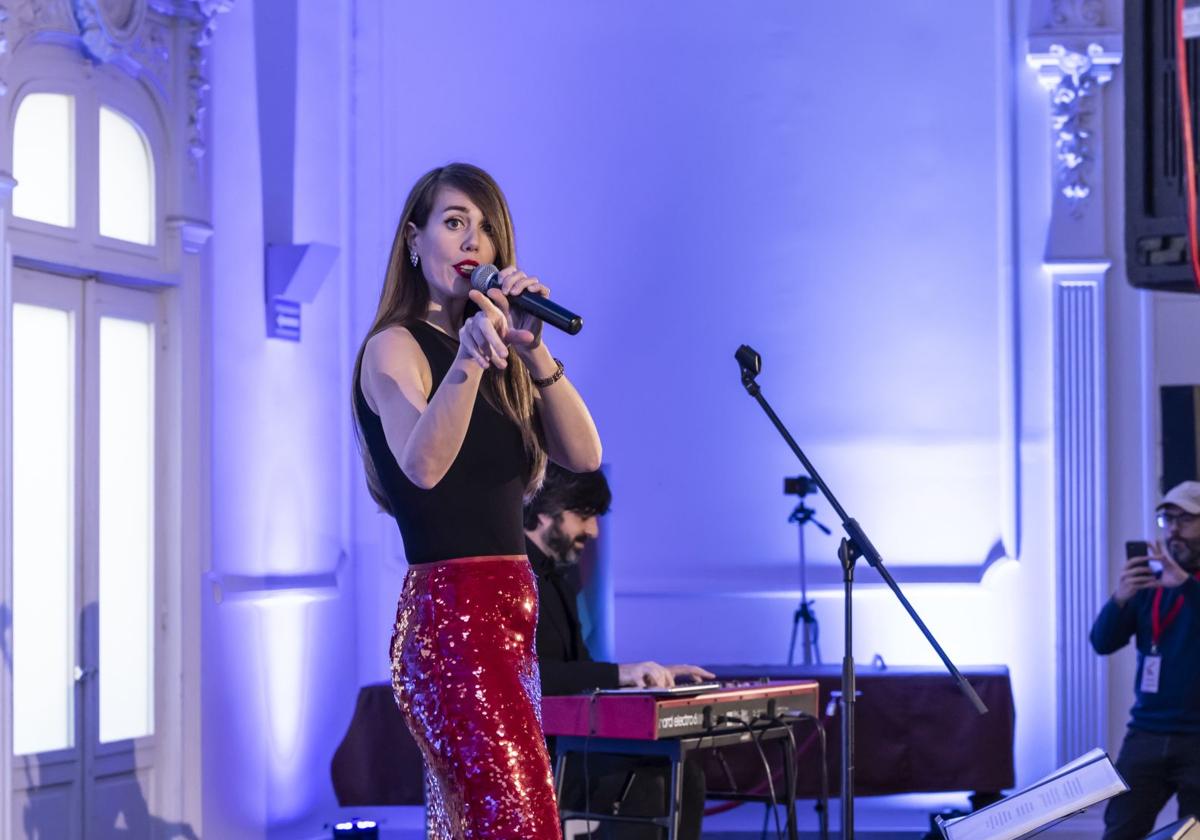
(800,486)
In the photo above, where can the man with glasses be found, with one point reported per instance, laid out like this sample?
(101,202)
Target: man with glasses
(1157,600)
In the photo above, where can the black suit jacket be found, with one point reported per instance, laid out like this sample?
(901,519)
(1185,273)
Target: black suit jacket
(566,664)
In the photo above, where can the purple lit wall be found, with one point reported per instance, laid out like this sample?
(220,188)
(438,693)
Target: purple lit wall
(863,192)
(859,196)
(832,185)
(278,684)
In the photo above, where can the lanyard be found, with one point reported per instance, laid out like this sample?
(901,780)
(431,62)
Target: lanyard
(1158,624)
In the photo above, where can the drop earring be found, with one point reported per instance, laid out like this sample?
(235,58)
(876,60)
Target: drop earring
(413,258)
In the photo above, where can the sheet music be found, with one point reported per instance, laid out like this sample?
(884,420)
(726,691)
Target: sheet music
(1085,781)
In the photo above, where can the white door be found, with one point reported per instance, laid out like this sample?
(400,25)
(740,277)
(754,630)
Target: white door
(85,546)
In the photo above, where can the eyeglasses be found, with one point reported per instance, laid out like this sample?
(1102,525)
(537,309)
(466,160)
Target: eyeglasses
(1166,520)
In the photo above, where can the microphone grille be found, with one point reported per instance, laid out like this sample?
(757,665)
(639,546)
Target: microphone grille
(484,277)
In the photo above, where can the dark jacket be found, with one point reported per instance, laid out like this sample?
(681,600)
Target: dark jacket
(566,664)
(1175,707)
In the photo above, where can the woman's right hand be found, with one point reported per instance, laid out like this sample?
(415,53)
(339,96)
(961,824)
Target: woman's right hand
(485,335)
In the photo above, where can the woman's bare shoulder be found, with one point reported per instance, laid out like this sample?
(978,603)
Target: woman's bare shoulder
(393,354)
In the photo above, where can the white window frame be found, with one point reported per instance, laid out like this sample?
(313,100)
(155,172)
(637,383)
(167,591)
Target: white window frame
(174,267)
(83,247)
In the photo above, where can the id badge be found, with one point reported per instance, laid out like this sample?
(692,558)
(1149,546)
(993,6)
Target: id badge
(1151,668)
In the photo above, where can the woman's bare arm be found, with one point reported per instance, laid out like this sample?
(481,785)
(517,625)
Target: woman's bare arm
(424,435)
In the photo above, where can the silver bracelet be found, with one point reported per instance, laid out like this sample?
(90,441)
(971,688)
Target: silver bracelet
(552,378)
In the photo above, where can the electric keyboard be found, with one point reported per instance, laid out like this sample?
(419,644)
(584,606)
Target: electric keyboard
(648,717)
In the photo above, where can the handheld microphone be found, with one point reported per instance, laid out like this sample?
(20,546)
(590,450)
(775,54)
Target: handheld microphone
(487,276)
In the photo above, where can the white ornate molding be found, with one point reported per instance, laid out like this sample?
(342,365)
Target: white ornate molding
(193,234)
(1074,78)
(32,16)
(1075,14)
(3,45)
(1075,56)
(134,35)
(1074,53)
(204,24)
(108,28)
(302,587)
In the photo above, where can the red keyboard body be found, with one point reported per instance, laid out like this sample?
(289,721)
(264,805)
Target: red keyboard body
(650,717)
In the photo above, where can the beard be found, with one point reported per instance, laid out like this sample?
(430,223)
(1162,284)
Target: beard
(1185,552)
(563,549)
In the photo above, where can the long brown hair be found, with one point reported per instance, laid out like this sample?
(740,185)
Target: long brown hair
(405,300)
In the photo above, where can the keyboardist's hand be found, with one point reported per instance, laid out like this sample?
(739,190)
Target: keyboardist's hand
(653,675)
(684,674)
(645,675)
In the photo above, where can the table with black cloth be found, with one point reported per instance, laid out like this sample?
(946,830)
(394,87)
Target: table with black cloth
(915,733)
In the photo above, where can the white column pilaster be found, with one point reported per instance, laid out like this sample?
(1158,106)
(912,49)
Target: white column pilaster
(1075,54)
(7,183)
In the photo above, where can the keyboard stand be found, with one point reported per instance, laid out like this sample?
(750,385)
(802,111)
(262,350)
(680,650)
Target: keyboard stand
(675,750)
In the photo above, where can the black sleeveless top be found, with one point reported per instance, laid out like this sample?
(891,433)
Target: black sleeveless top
(476,508)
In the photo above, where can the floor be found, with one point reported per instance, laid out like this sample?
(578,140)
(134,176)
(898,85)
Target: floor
(876,818)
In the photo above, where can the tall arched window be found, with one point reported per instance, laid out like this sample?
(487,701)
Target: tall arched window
(103,217)
(88,189)
(44,159)
(126,180)
(89,538)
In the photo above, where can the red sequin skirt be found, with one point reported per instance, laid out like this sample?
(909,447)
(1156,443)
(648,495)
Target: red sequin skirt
(465,675)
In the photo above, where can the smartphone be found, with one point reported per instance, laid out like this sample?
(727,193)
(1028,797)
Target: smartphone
(1136,548)
(1140,548)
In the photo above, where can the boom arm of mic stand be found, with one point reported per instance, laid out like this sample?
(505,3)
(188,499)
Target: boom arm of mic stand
(858,537)
(869,552)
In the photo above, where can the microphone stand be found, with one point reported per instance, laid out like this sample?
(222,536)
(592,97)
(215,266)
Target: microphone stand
(854,545)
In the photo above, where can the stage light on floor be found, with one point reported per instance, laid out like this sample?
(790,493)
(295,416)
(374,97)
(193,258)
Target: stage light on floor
(368,829)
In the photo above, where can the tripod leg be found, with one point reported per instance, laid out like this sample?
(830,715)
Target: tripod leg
(796,619)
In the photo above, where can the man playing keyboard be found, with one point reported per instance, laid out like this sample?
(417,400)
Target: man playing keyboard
(559,522)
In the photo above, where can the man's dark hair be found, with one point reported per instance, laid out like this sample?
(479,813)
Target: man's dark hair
(586,494)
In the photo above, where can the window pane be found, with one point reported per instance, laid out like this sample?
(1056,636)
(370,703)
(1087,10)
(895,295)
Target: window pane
(126,529)
(126,180)
(44,159)
(43,530)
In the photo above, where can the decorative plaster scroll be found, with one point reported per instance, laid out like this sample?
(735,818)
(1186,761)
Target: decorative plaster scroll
(206,12)
(130,34)
(40,16)
(1074,78)
(1075,57)
(1073,14)
(108,27)
(3,46)
(133,34)
(151,49)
